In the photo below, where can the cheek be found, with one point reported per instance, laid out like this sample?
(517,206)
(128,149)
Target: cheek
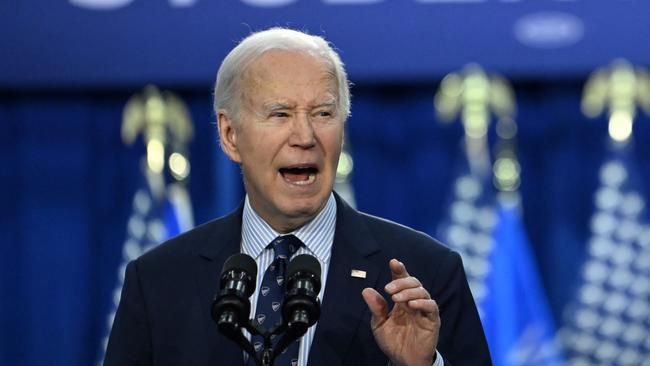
(333,142)
(260,153)
(269,137)
(255,140)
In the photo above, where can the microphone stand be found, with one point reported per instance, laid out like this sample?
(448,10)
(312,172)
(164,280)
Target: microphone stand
(290,334)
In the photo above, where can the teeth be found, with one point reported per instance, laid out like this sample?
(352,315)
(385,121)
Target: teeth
(310,180)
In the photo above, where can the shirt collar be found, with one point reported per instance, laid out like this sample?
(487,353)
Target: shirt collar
(317,234)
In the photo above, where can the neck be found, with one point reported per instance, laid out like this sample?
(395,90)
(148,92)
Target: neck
(284,224)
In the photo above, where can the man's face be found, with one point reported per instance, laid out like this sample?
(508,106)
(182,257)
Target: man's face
(289,136)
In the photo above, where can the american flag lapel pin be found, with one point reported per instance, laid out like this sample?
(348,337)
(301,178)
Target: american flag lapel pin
(357,273)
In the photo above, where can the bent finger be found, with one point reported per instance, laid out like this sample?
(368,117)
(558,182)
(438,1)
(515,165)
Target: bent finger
(401,284)
(415,293)
(428,306)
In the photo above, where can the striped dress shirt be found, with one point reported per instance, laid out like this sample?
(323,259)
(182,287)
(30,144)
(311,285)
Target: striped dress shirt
(318,236)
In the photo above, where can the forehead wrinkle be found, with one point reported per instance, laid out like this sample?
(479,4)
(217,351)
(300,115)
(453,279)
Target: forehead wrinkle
(329,100)
(261,73)
(257,75)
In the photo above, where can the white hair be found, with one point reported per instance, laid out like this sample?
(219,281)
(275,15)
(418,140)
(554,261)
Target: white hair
(227,89)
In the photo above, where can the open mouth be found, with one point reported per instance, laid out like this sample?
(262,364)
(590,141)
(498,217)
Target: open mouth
(299,175)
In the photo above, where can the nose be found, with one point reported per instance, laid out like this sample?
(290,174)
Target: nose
(302,132)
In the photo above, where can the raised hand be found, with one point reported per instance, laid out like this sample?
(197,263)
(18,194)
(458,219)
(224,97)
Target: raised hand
(408,334)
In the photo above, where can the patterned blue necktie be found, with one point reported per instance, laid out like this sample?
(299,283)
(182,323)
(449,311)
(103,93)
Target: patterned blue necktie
(269,301)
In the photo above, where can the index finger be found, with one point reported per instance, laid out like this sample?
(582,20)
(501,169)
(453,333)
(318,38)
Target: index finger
(397,269)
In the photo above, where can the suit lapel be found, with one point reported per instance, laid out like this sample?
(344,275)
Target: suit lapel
(222,242)
(343,306)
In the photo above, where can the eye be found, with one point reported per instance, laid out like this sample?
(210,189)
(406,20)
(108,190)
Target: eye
(279,115)
(324,114)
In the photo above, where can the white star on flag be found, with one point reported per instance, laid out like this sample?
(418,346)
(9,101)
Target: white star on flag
(608,322)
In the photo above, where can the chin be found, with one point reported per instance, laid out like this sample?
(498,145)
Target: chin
(304,207)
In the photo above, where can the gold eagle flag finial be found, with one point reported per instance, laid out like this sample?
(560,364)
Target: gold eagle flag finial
(474,96)
(165,124)
(619,89)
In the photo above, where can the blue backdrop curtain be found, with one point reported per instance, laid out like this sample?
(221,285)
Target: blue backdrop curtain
(67,183)
(67,187)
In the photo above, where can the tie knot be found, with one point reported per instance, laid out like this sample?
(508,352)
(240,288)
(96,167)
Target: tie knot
(285,246)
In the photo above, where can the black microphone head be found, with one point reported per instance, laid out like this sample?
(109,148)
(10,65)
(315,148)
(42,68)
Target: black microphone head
(301,308)
(304,263)
(231,306)
(241,262)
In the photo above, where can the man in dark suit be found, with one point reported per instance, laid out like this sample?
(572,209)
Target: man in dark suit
(281,99)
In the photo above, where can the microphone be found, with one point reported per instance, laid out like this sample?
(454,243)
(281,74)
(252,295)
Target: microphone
(231,307)
(301,308)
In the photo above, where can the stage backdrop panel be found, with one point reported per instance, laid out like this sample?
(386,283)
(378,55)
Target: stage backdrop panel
(117,42)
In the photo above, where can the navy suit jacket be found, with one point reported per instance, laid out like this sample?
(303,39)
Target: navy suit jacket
(164,313)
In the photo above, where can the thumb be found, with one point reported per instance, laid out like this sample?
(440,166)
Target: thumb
(377,305)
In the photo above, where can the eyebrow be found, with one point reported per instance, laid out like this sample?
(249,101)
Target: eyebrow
(329,101)
(326,104)
(275,106)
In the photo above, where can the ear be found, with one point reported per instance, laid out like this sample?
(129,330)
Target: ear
(228,136)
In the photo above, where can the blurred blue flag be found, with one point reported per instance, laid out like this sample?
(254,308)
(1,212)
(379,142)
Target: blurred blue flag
(516,316)
(487,230)
(608,321)
(160,211)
